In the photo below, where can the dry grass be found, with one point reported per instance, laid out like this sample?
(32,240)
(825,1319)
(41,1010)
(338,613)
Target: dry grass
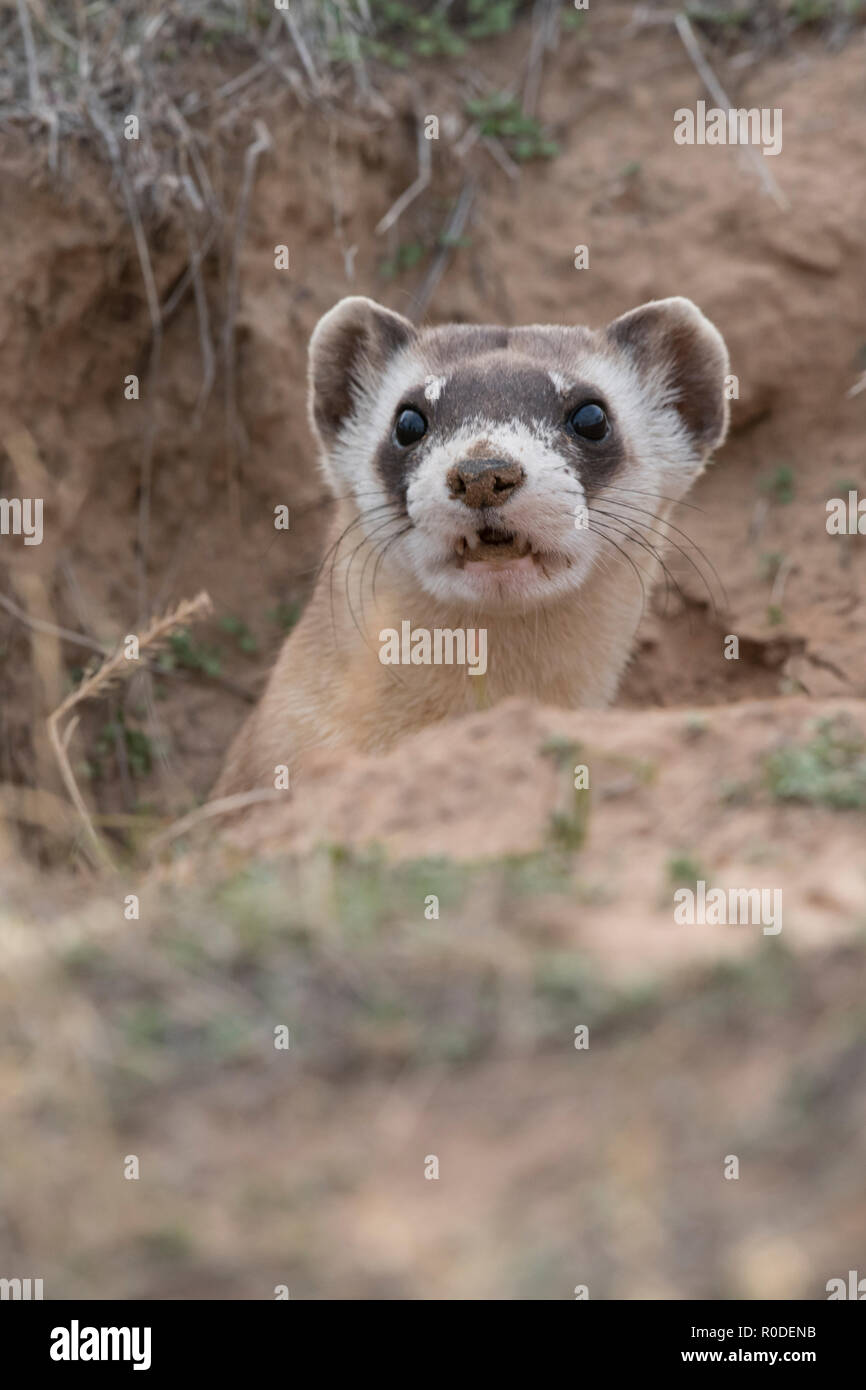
(117,667)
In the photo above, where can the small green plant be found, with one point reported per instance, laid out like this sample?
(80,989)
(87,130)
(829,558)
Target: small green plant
(810,11)
(169,1243)
(565,752)
(572,20)
(453,242)
(695,727)
(407,256)
(829,770)
(568,976)
(734,792)
(500,115)
(769,565)
(567,828)
(569,821)
(285,615)
(137,746)
(433,37)
(779,485)
(146,1024)
(238,629)
(188,652)
(684,871)
(487,18)
(713,17)
(775,616)
(400,31)
(220,27)
(527,875)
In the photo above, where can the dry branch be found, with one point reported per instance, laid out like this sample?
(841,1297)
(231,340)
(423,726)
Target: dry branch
(721,98)
(415,188)
(222,806)
(51,629)
(450,236)
(236,440)
(303,52)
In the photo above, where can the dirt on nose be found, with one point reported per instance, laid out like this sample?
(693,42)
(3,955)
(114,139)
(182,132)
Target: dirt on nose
(484,482)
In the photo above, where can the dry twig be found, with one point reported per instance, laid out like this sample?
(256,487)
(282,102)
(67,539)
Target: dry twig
(51,629)
(236,438)
(222,806)
(415,189)
(545,15)
(450,236)
(303,52)
(720,97)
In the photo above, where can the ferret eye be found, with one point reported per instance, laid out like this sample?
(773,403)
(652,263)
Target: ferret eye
(410,427)
(589,421)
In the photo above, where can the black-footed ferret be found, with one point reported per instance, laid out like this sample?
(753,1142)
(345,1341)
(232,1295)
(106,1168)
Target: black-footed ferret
(500,492)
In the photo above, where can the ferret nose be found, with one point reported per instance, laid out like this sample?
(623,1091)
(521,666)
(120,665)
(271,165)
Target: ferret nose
(484,482)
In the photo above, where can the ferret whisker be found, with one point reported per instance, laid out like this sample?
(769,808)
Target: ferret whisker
(660,496)
(351,526)
(373,549)
(662,521)
(603,536)
(633,535)
(366,539)
(378,548)
(644,526)
(333,551)
(383,549)
(330,499)
(638,492)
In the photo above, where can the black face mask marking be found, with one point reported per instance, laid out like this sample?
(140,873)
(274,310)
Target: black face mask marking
(498,389)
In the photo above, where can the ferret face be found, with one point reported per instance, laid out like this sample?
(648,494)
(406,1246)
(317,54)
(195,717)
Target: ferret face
(498,467)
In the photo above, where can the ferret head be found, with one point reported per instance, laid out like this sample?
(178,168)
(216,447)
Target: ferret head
(494,464)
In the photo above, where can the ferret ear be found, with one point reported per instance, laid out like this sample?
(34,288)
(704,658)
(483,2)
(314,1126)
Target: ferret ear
(350,347)
(673,344)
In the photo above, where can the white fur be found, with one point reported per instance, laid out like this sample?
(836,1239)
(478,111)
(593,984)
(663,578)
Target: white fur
(541,509)
(433,388)
(561,384)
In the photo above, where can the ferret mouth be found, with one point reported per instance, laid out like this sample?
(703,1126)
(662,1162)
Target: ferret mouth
(499,549)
